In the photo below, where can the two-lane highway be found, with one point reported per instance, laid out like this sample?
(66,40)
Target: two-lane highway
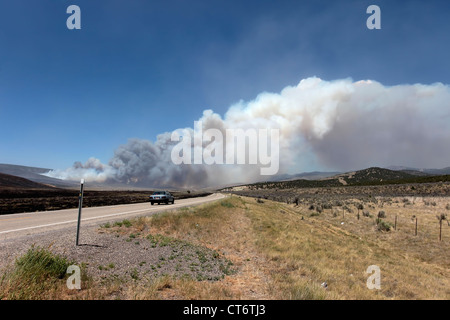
(13,225)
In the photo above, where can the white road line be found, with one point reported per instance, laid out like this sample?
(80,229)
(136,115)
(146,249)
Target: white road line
(99,217)
(41,226)
(72,221)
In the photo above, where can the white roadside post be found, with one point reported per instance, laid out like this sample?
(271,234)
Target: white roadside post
(80,205)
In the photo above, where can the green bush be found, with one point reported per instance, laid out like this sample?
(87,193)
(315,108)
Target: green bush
(34,275)
(381,214)
(383,225)
(126,223)
(227,204)
(39,263)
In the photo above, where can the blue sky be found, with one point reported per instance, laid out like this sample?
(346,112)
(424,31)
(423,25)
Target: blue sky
(140,68)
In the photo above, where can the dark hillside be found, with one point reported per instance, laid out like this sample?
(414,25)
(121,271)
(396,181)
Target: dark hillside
(10,181)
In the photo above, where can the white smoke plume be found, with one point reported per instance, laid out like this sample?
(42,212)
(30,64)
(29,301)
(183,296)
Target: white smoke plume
(92,170)
(323,125)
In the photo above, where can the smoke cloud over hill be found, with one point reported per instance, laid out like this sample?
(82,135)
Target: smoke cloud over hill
(325,125)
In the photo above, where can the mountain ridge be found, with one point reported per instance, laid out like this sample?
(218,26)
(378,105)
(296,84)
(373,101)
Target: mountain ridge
(372,175)
(364,177)
(10,181)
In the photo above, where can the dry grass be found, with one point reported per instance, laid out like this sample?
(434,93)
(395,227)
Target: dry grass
(222,226)
(318,248)
(283,251)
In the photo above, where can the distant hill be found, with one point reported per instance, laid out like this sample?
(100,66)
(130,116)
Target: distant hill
(421,171)
(9,181)
(315,175)
(21,171)
(35,174)
(443,171)
(370,176)
(362,176)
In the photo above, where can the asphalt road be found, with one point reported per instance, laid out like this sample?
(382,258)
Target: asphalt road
(20,224)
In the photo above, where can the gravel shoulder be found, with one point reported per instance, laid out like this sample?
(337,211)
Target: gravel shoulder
(107,255)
